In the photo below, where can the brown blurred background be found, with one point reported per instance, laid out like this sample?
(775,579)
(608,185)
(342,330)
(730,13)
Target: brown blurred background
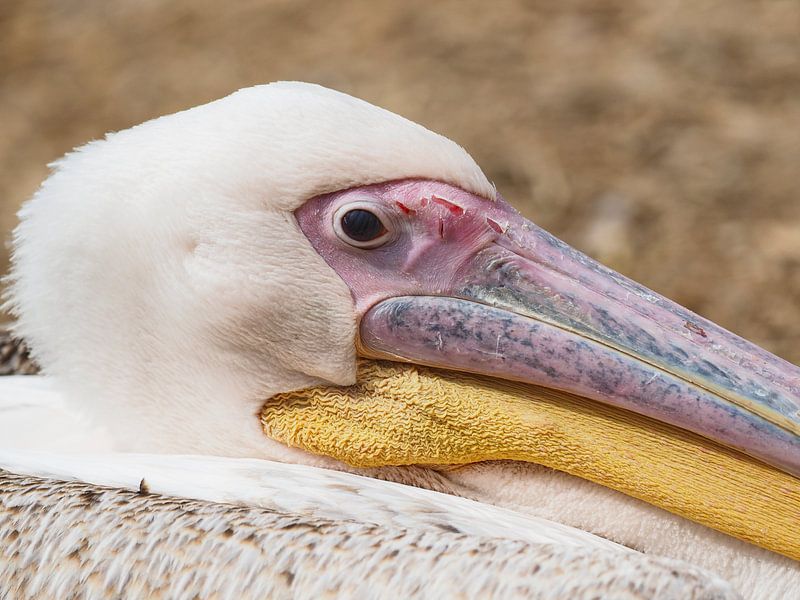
(660,136)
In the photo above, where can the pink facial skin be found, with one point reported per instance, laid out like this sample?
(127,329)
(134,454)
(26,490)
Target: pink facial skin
(466,283)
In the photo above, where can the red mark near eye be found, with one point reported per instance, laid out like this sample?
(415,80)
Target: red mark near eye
(441,229)
(423,202)
(405,209)
(453,208)
(494,225)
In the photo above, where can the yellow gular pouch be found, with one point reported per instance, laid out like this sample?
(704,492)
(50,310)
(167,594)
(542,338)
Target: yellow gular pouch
(399,414)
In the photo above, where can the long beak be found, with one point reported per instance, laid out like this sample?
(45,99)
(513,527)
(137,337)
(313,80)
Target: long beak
(530,308)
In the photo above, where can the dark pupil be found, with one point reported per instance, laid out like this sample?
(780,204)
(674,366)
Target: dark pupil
(362,225)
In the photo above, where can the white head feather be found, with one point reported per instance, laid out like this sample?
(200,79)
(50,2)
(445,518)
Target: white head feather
(160,275)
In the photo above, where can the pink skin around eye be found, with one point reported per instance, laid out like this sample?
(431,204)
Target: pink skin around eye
(435,229)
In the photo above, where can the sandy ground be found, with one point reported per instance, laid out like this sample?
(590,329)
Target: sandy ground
(662,137)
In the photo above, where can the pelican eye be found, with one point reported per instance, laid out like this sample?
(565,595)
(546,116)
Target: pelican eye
(360,227)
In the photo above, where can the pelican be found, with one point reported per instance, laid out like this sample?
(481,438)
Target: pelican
(182,281)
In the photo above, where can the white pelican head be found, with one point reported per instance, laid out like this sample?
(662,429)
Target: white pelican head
(162,277)
(176,275)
